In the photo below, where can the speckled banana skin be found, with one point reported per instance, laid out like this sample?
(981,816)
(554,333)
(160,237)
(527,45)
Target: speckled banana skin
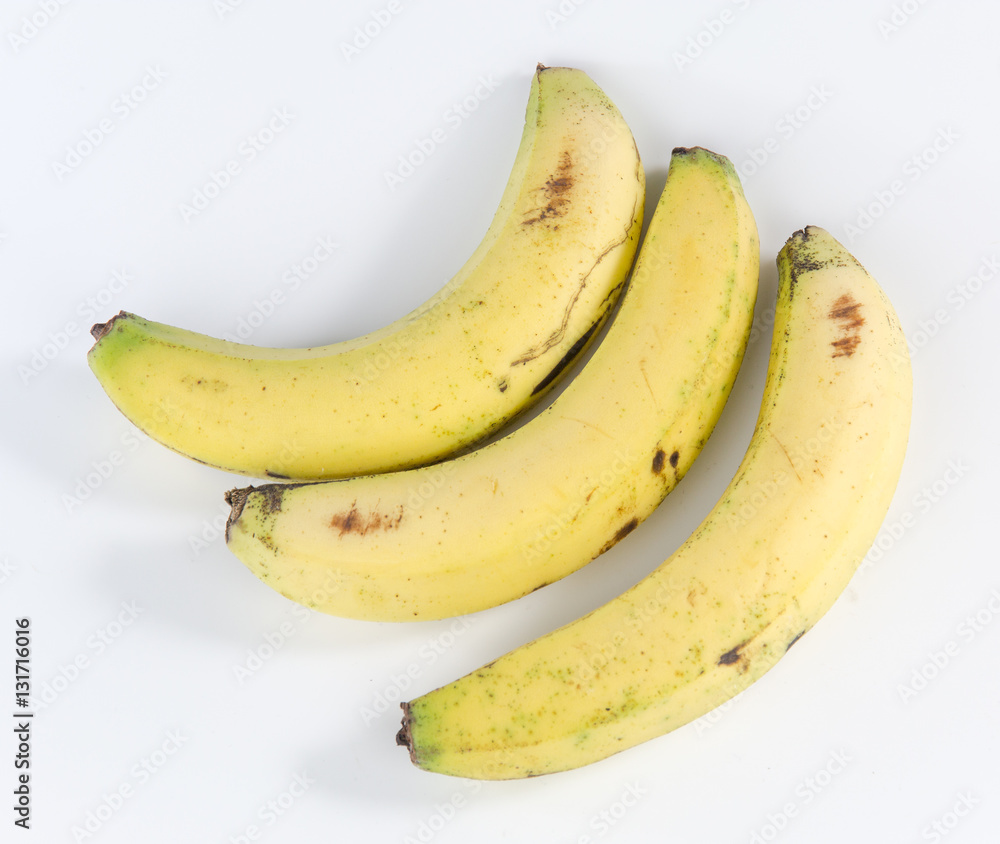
(768,561)
(538,504)
(441,379)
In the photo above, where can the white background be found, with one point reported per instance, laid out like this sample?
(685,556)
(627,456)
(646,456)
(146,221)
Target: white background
(140,617)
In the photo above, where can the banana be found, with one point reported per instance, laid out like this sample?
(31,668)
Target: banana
(446,376)
(539,503)
(768,561)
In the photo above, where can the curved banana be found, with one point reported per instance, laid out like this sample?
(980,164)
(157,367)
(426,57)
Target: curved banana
(768,561)
(487,346)
(527,509)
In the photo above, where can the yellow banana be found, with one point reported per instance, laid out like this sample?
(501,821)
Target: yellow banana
(536,505)
(768,561)
(487,346)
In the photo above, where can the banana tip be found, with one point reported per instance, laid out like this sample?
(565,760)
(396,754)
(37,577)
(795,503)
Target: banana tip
(404,738)
(98,330)
(235,498)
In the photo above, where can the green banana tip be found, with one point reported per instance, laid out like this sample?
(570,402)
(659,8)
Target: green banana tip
(717,157)
(101,329)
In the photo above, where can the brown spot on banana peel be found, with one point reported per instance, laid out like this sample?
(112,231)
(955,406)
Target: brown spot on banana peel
(796,638)
(555,192)
(660,459)
(621,533)
(732,656)
(354,521)
(846,311)
(736,656)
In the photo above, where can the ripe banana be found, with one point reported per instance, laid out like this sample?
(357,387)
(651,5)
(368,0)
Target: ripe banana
(487,346)
(768,561)
(531,507)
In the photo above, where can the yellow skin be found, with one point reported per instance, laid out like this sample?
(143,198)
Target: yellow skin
(768,561)
(486,347)
(538,504)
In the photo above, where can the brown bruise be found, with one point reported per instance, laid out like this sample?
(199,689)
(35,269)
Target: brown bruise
(796,638)
(621,533)
(354,521)
(734,656)
(846,312)
(555,193)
